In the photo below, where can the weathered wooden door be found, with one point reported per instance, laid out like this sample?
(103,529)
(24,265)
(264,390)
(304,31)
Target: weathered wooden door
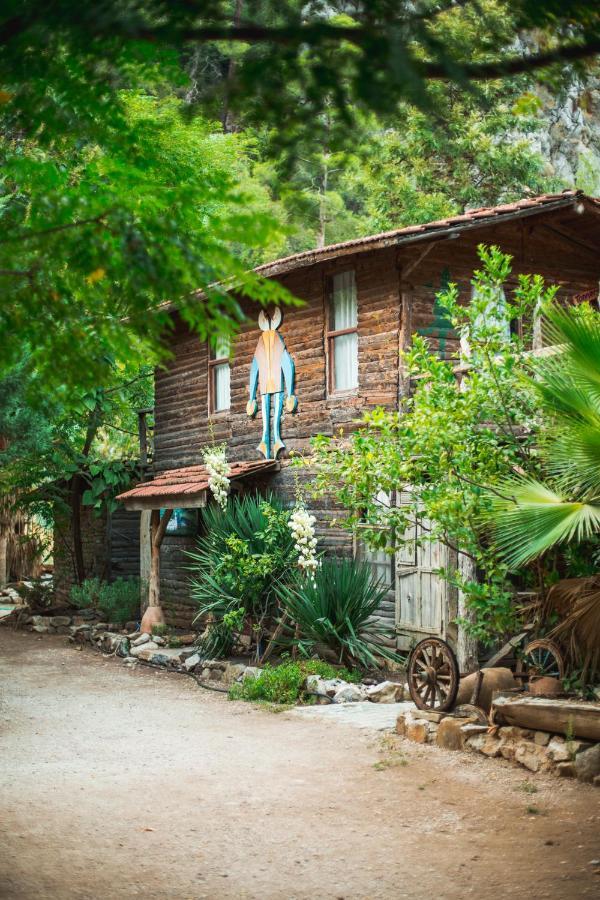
(421,593)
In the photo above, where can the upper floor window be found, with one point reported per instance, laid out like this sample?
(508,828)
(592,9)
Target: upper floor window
(219,390)
(342,334)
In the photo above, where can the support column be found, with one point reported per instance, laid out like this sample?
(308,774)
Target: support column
(154,613)
(145,557)
(466,644)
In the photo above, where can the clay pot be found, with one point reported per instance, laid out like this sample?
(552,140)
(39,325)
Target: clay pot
(153,616)
(544,684)
(497,679)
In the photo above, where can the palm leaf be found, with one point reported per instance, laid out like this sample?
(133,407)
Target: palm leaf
(534,517)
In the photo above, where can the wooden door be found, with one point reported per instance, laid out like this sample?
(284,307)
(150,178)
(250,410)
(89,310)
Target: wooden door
(421,593)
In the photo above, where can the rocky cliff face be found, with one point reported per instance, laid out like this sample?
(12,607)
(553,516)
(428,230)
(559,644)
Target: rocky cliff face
(569,139)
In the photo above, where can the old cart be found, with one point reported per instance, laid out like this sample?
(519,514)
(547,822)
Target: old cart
(433,674)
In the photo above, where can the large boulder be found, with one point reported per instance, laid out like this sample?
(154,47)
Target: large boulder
(349,693)
(587,764)
(144,651)
(386,692)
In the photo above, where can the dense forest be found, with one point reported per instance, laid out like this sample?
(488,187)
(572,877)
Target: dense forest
(153,150)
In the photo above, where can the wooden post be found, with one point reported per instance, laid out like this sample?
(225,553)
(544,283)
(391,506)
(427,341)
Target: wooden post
(466,644)
(145,557)
(154,613)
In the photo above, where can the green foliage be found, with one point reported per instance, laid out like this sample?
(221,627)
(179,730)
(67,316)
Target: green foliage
(160,629)
(108,224)
(335,608)
(450,443)
(219,639)
(529,516)
(245,549)
(284,683)
(118,600)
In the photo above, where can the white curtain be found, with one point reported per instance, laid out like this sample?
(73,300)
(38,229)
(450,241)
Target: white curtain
(345,347)
(222,375)
(222,387)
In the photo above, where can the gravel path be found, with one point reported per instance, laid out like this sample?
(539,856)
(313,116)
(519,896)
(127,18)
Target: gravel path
(119,783)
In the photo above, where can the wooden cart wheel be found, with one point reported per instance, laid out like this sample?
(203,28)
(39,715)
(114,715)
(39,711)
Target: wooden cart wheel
(542,658)
(433,675)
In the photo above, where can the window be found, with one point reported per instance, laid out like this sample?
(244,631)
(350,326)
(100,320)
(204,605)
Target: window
(342,336)
(218,376)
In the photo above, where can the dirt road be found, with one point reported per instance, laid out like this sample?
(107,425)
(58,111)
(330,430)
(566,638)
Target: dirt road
(122,783)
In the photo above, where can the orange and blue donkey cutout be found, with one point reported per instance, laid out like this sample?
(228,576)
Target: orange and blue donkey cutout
(272,371)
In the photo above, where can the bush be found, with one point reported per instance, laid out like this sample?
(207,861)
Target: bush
(246,548)
(283,683)
(119,600)
(335,608)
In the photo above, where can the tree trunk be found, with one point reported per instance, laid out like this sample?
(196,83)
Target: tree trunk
(466,645)
(77,488)
(3,559)
(227,118)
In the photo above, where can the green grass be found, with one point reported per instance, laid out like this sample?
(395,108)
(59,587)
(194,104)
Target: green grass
(527,787)
(284,683)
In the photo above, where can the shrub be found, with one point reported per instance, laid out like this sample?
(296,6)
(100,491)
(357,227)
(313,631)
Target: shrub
(219,639)
(246,548)
(335,608)
(283,683)
(119,600)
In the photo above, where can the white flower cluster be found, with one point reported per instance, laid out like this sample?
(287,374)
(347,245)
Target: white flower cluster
(302,527)
(218,473)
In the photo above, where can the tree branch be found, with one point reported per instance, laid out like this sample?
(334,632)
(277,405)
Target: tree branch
(31,235)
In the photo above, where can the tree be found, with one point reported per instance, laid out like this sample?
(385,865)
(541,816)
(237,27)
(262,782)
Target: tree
(530,516)
(59,457)
(453,438)
(99,232)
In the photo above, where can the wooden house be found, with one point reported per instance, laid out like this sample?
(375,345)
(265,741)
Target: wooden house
(363,300)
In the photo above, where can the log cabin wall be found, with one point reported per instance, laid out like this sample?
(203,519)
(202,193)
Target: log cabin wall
(396,290)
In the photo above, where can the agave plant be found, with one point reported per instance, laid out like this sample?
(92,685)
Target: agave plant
(336,608)
(530,516)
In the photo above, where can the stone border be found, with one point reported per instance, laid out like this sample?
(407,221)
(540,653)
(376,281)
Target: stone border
(537,751)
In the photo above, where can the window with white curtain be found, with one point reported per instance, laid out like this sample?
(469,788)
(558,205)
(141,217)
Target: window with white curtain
(219,376)
(342,333)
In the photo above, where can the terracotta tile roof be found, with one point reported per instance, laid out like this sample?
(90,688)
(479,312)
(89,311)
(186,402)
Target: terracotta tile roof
(481,217)
(190,482)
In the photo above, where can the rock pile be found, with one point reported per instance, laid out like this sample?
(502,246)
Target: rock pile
(537,751)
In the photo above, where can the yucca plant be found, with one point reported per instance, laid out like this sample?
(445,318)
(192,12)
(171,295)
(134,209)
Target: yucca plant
(530,516)
(336,608)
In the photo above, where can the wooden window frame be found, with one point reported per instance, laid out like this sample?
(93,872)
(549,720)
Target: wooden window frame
(213,364)
(331,334)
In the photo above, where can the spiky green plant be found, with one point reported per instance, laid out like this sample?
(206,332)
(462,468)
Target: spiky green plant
(530,516)
(336,608)
(245,549)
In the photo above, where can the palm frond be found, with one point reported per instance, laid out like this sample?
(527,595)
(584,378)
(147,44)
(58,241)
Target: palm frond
(530,518)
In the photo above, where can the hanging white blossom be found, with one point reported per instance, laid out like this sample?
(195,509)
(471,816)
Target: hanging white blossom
(302,527)
(218,470)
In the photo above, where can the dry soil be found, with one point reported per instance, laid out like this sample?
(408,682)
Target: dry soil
(120,783)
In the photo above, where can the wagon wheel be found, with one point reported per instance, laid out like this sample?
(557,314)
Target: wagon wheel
(542,658)
(433,675)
